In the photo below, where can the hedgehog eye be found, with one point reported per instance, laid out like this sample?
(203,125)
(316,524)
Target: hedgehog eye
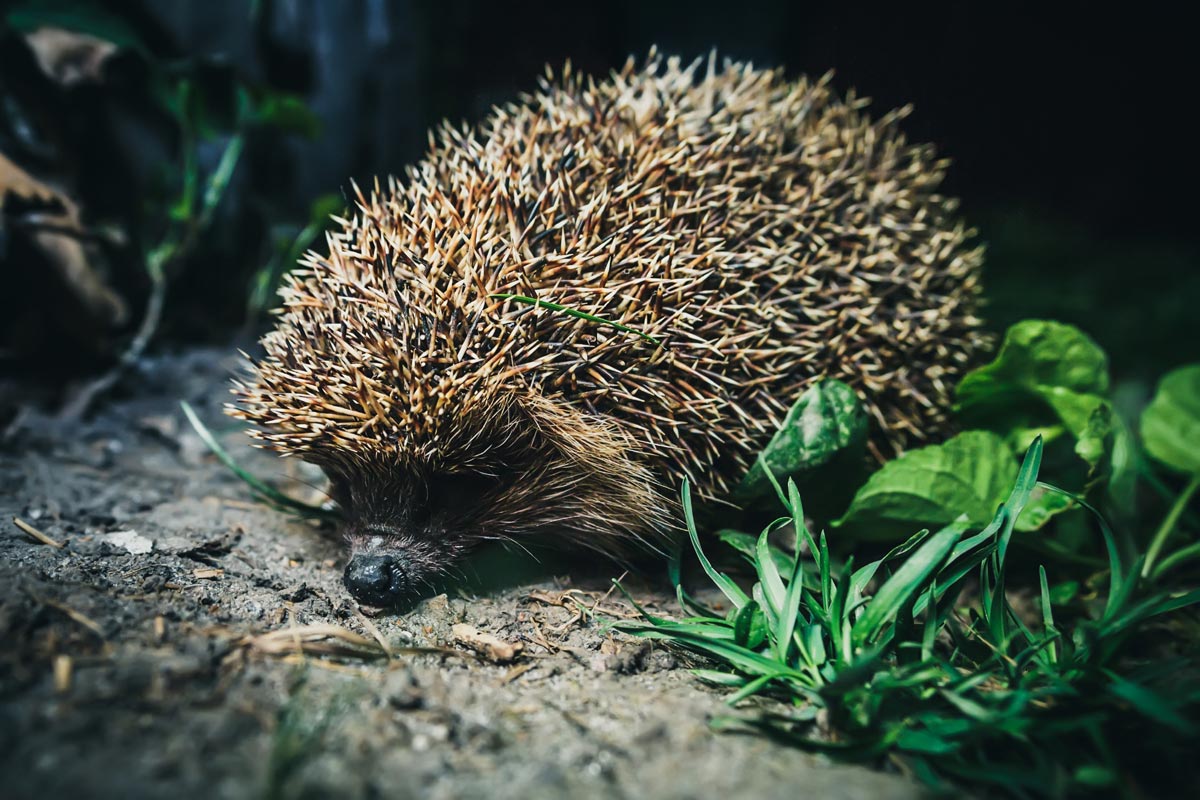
(339,492)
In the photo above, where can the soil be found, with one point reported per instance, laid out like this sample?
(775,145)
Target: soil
(133,662)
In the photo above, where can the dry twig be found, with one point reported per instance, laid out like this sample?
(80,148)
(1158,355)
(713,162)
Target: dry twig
(326,640)
(491,647)
(35,533)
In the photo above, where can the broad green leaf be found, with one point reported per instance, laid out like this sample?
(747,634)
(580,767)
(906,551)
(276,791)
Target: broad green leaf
(1040,353)
(1042,506)
(827,424)
(1048,378)
(1171,423)
(970,474)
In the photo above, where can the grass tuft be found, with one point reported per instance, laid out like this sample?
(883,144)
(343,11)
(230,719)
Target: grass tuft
(921,657)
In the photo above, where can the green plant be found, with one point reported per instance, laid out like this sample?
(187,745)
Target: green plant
(1170,428)
(921,655)
(290,243)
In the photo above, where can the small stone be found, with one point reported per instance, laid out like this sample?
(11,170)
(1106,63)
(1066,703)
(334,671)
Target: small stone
(130,541)
(402,690)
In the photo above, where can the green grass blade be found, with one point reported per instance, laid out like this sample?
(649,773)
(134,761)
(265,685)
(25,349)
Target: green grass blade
(903,584)
(779,492)
(825,569)
(1149,704)
(1147,608)
(1117,589)
(772,616)
(637,606)
(1181,556)
(718,678)
(1022,490)
(571,312)
(768,573)
(814,645)
(675,574)
(1047,613)
(222,175)
(866,573)
(261,490)
(790,608)
(723,581)
(840,627)
(995,599)
(746,661)
(796,508)
(752,687)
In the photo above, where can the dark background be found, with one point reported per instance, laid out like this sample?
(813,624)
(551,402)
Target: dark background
(1069,127)
(1062,109)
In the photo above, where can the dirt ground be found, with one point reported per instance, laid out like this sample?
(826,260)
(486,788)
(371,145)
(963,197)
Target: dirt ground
(133,662)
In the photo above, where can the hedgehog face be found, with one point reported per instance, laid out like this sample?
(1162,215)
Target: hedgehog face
(403,529)
(409,518)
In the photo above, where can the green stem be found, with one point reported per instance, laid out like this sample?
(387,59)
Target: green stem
(1180,556)
(1168,524)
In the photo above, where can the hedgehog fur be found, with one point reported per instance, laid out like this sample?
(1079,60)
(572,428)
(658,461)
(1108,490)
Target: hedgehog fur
(765,232)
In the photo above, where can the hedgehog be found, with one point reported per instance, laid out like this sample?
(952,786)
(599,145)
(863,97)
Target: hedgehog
(607,286)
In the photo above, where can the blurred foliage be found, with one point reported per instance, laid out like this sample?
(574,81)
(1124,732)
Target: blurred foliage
(1135,296)
(170,163)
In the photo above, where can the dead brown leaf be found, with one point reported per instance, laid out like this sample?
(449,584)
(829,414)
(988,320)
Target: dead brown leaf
(58,233)
(490,647)
(70,58)
(18,182)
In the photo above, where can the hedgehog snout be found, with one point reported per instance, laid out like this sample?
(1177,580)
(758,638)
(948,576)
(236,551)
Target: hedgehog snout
(377,580)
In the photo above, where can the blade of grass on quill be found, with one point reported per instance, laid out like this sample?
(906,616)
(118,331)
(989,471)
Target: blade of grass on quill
(263,490)
(533,301)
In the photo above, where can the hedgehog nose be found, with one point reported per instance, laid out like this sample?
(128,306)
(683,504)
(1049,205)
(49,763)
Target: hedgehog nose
(375,580)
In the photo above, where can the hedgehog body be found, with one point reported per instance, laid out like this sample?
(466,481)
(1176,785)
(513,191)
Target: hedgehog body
(763,233)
